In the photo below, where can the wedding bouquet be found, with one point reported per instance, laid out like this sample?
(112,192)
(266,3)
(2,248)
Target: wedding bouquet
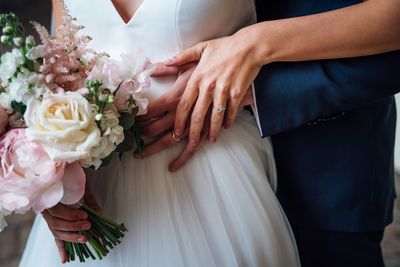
(64,107)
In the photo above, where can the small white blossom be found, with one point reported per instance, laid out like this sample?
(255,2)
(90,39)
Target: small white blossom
(9,64)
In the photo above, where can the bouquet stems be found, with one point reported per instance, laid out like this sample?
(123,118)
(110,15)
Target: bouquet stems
(104,235)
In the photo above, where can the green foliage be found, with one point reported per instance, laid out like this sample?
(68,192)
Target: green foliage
(18,107)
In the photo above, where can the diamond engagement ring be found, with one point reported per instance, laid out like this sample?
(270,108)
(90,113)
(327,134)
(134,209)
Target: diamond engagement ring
(176,139)
(220,109)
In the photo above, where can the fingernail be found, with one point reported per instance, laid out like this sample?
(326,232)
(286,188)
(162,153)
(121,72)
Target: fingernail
(178,131)
(169,61)
(86,226)
(172,168)
(81,239)
(212,139)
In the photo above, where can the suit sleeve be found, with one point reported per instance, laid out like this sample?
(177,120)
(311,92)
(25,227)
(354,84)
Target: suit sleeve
(289,95)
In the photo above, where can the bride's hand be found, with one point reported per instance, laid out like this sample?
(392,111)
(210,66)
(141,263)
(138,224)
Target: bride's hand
(159,121)
(66,223)
(226,68)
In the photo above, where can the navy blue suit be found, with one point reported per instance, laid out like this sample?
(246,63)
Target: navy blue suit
(332,124)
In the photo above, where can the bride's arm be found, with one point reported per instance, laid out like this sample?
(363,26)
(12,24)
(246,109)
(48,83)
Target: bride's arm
(57,12)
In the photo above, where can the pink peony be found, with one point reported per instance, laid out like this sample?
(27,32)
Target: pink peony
(134,90)
(3,121)
(29,179)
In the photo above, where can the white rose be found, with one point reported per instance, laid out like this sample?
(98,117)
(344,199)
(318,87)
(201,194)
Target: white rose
(9,63)
(64,124)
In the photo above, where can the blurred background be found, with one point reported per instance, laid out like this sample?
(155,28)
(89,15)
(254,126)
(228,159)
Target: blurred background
(13,239)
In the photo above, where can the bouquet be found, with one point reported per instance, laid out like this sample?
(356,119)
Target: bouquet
(64,107)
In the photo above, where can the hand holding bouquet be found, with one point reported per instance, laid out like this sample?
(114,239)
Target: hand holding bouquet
(63,107)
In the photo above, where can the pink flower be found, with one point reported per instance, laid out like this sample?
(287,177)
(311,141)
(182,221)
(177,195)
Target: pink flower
(132,90)
(29,179)
(3,121)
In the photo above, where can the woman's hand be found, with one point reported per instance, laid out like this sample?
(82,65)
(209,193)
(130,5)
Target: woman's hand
(66,223)
(226,68)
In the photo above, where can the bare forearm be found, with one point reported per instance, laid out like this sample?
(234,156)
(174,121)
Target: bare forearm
(368,28)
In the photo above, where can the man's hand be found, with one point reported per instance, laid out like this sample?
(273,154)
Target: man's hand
(161,117)
(226,68)
(66,223)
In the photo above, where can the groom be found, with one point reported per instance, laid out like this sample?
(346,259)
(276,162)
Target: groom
(332,124)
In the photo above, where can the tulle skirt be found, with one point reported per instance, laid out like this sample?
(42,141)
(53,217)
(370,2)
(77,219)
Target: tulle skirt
(219,210)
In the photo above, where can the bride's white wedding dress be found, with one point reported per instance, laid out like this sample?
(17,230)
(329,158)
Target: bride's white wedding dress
(219,210)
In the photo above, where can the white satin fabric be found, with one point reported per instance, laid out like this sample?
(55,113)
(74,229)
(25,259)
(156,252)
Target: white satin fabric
(220,209)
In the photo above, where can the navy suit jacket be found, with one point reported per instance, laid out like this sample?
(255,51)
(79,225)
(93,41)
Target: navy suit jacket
(332,124)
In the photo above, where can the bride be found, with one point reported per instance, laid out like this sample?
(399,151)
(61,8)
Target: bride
(220,209)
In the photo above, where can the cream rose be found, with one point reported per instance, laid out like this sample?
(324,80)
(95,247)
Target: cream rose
(64,124)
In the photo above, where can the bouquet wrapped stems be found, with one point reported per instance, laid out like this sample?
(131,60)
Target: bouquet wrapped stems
(104,235)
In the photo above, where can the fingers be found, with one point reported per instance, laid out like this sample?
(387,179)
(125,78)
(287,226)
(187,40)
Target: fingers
(189,55)
(55,223)
(163,70)
(218,113)
(198,116)
(169,100)
(185,106)
(66,230)
(188,152)
(159,126)
(161,144)
(66,213)
(69,236)
(61,249)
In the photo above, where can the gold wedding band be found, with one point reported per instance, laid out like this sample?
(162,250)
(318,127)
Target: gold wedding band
(220,109)
(175,137)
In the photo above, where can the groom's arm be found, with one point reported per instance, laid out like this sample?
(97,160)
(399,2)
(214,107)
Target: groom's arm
(292,94)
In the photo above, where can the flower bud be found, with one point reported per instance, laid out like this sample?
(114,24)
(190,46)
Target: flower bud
(103,97)
(30,41)
(5,39)
(18,41)
(98,117)
(8,30)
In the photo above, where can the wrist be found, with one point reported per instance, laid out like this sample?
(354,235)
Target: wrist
(259,45)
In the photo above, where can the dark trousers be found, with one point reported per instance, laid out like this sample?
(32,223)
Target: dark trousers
(339,249)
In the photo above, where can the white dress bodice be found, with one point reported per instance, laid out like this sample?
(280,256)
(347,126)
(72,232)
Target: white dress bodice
(160,28)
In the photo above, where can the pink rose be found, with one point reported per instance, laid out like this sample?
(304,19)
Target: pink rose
(29,179)
(3,120)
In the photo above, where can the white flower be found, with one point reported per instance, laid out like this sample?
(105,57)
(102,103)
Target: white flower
(24,87)
(99,152)
(109,118)
(9,63)
(5,102)
(64,124)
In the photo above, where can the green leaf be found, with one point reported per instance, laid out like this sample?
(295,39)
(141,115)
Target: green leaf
(18,107)
(137,131)
(127,144)
(126,120)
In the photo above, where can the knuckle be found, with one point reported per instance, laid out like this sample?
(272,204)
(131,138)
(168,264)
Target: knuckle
(216,118)
(183,106)
(197,117)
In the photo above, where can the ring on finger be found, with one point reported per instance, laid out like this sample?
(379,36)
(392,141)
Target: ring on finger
(175,137)
(220,109)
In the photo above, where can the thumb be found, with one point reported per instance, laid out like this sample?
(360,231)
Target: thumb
(189,55)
